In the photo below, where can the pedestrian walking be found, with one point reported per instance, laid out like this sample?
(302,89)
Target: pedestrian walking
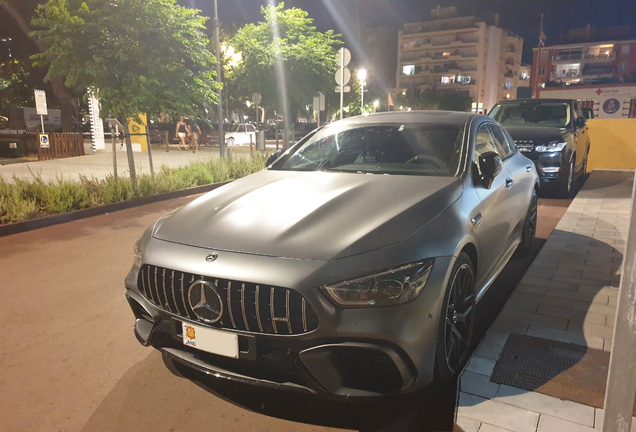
(182,130)
(196,134)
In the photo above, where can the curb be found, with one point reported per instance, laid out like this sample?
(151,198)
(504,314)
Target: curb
(19,227)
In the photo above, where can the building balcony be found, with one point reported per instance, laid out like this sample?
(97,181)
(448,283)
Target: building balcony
(566,57)
(566,77)
(599,58)
(604,68)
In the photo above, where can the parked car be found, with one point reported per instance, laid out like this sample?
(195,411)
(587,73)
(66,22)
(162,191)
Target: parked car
(349,267)
(551,132)
(240,134)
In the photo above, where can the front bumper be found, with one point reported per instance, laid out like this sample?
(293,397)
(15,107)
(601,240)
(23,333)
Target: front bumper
(351,353)
(551,166)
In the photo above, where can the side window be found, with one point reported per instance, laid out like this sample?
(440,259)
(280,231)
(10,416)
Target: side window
(503,147)
(241,128)
(483,144)
(250,128)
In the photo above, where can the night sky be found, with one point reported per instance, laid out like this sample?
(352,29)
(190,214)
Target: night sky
(520,16)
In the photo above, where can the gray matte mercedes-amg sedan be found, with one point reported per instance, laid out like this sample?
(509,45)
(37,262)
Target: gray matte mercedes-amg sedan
(350,266)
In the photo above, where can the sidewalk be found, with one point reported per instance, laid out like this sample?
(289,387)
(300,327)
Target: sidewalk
(568,296)
(100,165)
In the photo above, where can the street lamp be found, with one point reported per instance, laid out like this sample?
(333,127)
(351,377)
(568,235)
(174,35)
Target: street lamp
(376,104)
(362,75)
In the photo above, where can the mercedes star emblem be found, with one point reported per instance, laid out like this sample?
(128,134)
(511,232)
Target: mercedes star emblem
(205,301)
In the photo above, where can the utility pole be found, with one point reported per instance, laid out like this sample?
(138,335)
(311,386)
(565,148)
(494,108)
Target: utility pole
(216,24)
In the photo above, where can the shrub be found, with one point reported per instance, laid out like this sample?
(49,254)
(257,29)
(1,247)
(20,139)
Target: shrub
(29,199)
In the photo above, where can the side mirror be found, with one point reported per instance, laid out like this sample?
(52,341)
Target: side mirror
(273,157)
(490,165)
(580,122)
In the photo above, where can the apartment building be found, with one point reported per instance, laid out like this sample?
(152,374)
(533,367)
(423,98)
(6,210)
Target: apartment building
(465,54)
(585,63)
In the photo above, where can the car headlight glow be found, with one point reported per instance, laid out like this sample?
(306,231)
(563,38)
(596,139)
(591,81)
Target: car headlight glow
(550,147)
(137,254)
(387,288)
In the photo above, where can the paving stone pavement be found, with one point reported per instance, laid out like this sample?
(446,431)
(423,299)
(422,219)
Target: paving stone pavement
(569,294)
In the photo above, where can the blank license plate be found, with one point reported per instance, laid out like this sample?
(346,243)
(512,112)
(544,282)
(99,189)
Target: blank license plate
(210,340)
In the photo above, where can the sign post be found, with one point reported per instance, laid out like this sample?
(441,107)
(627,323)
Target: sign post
(343,57)
(40,105)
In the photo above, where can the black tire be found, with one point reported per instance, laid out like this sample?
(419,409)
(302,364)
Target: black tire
(565,187)
(230,141)
(529,228)
(455,332)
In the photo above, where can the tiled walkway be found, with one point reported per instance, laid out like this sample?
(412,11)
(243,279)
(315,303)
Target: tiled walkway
(569,294)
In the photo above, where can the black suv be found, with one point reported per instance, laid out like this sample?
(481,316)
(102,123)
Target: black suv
(551,132)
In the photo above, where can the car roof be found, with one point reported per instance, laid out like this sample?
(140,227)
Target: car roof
(534,100)
(424,116)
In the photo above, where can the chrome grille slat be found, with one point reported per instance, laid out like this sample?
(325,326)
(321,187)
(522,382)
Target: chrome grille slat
(229,303)
(289,312)
(257,297)
(247,326)
(165,292)
(158,299)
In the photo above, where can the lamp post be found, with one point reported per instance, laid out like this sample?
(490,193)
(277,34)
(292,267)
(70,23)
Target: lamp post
(215,22)
(362,75)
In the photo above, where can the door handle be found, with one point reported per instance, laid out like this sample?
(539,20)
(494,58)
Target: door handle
(476,220)
(509,182)
(528,168)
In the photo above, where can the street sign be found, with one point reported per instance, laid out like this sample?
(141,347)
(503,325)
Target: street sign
(40,102)
(343,77)
(44,140)
(343,57)
(346,89)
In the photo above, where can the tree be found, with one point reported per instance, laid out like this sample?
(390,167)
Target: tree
(285,59)
(416,98)
(147,56)
(19,75)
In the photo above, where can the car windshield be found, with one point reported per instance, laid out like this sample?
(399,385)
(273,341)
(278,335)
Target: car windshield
(387,148)
(548,114)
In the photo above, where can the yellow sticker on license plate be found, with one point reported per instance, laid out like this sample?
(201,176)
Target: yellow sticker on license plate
(210,340)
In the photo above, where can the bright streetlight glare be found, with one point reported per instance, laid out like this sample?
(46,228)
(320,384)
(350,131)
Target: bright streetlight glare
(362,75)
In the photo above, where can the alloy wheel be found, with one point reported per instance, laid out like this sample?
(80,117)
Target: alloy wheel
(460,317)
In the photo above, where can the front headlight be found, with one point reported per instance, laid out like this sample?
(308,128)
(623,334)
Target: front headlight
(387,288)
(550,147)
(137,254)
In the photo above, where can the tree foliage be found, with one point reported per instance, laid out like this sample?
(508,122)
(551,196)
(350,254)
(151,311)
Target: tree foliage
(284,50)
(141,56)
(434,99)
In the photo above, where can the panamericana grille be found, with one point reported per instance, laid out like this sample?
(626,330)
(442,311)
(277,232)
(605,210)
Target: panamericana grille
(246,306)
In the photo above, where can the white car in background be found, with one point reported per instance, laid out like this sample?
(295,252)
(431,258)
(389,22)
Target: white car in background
(240,134)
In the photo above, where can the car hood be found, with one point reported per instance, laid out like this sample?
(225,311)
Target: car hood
(538,134)
(309,215)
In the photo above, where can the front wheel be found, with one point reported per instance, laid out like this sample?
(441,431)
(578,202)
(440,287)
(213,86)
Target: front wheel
(455,333)
(529,228)
(230,141)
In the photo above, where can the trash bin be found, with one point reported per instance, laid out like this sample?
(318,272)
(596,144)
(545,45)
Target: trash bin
(11,147)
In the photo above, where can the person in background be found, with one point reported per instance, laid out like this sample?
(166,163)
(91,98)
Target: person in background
(182,130)
(196,134)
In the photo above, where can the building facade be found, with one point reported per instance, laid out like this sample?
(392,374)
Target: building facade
(585,63)
(465,54)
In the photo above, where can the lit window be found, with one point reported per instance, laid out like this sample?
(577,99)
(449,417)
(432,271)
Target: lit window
(408,70)
(463,79)
(446,54)
(508,85)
